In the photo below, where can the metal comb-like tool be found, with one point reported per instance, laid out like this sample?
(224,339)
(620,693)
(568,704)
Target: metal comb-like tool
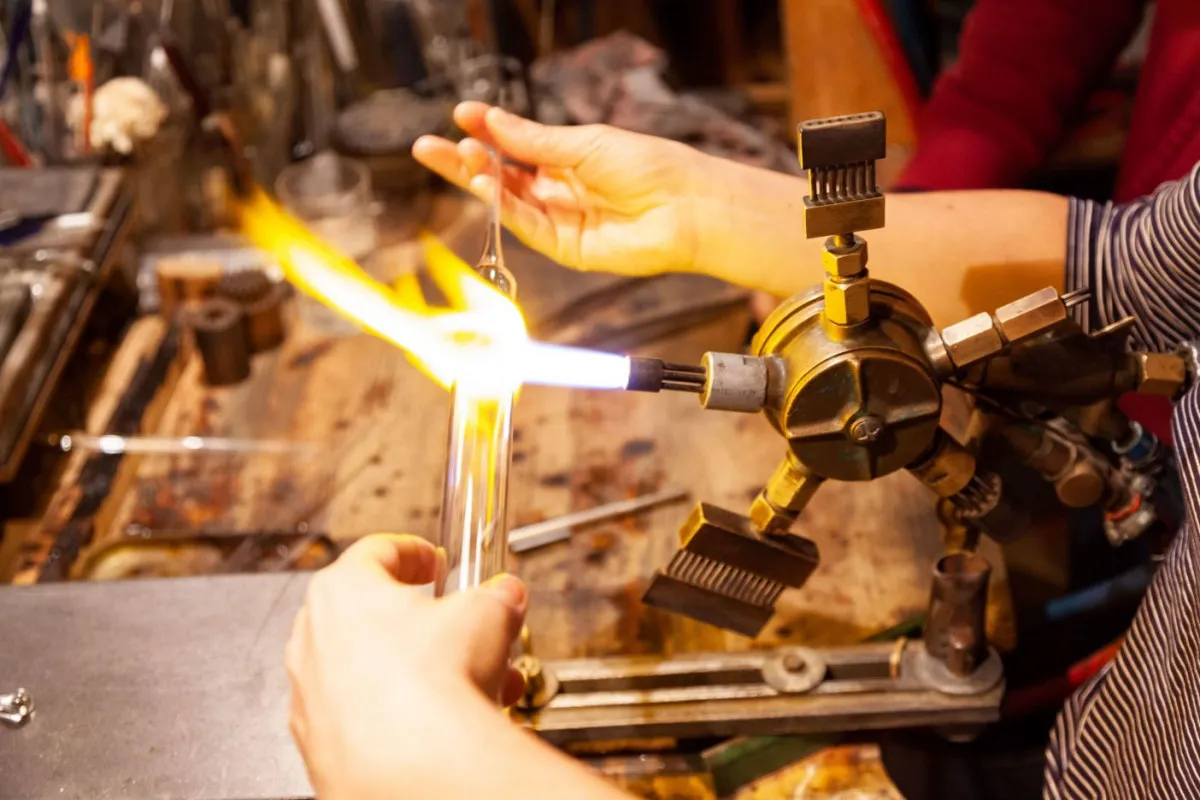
(728,574)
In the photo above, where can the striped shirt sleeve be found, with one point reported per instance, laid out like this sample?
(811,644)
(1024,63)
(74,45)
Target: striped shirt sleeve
(1141,260)
(1134,730)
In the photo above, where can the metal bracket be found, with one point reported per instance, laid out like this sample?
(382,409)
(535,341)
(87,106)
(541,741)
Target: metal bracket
(789,690)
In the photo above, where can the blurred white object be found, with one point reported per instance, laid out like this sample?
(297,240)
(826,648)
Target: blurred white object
(125,111)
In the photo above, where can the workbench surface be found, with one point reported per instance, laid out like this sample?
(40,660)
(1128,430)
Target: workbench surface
(381,428)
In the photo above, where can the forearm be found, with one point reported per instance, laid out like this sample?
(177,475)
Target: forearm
(480,753)
(957,252)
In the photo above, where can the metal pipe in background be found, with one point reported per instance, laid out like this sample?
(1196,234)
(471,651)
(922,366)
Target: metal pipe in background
(116,444)
(539,534)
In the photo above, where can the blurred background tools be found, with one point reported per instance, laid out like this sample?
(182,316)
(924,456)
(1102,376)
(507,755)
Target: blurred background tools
(68,227)
(540,534)
(262,303)
(219,328)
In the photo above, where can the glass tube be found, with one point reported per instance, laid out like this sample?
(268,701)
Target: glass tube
(474,534)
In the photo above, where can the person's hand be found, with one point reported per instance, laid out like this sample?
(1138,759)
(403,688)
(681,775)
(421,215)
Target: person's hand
(590,196)
(382,672)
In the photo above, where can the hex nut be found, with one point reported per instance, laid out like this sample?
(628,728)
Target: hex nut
(1031,315)
(972,340)
(938,355)
(1161,374)
(783,498)
(791,487)
(847,302)
(844,262)
(767,518)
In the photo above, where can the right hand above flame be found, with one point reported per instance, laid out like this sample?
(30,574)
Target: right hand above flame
(591,197)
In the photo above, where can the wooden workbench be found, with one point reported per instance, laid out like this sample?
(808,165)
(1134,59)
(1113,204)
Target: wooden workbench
(380,428)
(378,467)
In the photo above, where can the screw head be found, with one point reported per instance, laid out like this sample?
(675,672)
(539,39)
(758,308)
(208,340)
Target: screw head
(794,662)
(866,429)
(529,666)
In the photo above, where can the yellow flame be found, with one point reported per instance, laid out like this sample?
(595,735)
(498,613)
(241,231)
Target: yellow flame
(469,340)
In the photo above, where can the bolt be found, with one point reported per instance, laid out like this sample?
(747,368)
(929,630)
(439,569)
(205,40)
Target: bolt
(866,429)
(16,708)
(530,668)
(794,662)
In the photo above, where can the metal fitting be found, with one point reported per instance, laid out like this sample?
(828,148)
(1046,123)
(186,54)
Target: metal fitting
(955,657)
(972,340)
(540,684)
(734,382)
(1129,523)
(844,262)
(1078,480)
(1139,449)
(1190,352)
(1161,374)
(947,469)
(986,505)
(1081,485)
(956,632)
(1031,315)
(769,518)
(938,355)
(794,670)
(786,494)
(847,302)
(16,708)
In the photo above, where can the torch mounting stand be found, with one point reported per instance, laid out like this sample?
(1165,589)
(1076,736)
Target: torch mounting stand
(851,374)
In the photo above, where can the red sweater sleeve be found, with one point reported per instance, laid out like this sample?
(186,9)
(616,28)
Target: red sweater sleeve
(1024,66)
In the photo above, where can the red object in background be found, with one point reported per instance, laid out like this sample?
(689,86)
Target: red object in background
(10,145)
(879,22)
(1153,412)
(1051,693)
(1026,66)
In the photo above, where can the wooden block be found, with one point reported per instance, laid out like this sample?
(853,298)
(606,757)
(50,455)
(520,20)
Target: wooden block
(834,67)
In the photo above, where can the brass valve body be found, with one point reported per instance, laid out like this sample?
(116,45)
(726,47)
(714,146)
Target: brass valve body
(855,402)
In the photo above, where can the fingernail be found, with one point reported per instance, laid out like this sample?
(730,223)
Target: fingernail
(481,184)
(510,589)
(495,114)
